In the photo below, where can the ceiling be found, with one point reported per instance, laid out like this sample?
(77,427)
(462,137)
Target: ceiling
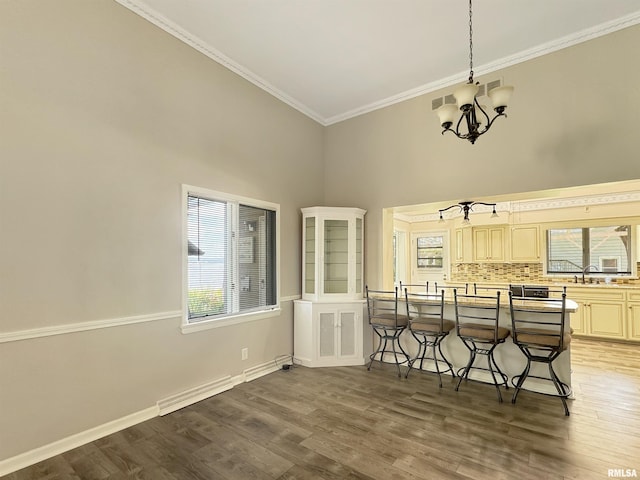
(336,59)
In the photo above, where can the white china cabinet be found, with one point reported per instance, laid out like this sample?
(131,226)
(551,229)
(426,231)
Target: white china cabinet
(328,321)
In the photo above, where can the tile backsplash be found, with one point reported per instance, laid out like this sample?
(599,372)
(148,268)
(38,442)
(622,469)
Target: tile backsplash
(510,273)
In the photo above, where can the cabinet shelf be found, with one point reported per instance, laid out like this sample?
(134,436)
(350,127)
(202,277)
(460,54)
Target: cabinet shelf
(332,250)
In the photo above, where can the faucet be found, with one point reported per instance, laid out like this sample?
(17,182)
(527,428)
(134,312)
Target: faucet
(586,269)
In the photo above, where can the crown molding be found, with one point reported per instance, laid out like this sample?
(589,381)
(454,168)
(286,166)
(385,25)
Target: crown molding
(582,201)
(531,205)
(145,11)
(538,51)
(151,15)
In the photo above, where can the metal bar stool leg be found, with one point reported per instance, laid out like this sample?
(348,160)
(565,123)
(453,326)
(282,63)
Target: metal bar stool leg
(467,368)
(445,358)
(521,378)
(562,393)
(490,361)
(395,340)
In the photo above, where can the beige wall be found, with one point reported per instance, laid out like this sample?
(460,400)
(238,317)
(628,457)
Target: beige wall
(103,117)
(571,122)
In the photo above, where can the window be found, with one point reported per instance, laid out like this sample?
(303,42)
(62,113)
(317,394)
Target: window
(231,261)
(430,251)
(604,250)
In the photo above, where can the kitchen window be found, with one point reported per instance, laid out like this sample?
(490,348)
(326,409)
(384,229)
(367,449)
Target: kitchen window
(429,252)
(599,250)
(230,257)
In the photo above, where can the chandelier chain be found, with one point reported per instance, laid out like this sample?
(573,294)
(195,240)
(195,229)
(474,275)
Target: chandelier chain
(470,43)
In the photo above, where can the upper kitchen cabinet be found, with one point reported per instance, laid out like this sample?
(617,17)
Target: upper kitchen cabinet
(489,244)
(525,243)
(463,244)
(333,240)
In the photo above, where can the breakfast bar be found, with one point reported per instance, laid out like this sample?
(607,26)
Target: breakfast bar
(508,356)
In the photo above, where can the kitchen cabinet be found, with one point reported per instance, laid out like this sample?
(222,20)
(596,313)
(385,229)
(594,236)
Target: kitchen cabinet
(463,244)
(488,244)
(633,316)
(525,243)
(606,319)
(601,312)
(328,334)
(577,318)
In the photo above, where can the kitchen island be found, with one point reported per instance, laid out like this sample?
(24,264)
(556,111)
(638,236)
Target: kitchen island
(508,356)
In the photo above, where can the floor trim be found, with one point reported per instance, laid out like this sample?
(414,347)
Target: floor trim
(162,407)
(36,455)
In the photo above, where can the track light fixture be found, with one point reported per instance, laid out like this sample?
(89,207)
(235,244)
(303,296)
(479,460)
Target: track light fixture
(466,207)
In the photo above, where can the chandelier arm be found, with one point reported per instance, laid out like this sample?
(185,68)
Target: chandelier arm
(493,120)
(441,211)
(486,115)
(482,203)
(457,130)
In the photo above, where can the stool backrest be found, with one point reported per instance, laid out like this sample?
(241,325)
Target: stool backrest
(479,289)
(414,287)
(479,312)
(448,289)
(425,308)
(539,322)
(382,304)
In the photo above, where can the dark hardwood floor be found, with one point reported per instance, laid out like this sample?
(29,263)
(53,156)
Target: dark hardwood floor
(347,423)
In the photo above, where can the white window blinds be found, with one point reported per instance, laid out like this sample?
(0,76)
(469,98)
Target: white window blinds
(231,258)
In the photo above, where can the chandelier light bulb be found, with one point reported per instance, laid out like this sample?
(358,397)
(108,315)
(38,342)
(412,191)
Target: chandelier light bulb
(469,113)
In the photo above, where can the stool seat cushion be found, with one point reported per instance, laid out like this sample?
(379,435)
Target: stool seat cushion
(389,320)
(432,326)
(543,338)
(482,331)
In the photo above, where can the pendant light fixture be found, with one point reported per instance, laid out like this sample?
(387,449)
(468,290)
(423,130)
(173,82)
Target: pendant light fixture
(474,117)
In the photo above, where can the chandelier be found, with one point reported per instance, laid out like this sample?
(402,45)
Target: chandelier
(476,119)
(466,207)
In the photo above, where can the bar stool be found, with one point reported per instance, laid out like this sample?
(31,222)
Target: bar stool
(414,287)
(542,336)
(486,289)
(429,328)
(448,289)
(477,326)
(382,309)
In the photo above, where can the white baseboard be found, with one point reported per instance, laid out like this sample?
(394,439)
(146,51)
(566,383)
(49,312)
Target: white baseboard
(39,454)
(193,395)
(256,372)
(163,407)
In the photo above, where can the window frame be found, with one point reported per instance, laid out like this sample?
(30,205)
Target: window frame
(269,311)
(588,226)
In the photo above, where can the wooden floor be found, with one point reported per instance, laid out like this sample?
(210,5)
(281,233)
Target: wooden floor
(347,423)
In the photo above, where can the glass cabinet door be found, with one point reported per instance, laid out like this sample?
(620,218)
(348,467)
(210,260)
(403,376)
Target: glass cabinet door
(332,253)
(310,255)
(358,255)
(336,256)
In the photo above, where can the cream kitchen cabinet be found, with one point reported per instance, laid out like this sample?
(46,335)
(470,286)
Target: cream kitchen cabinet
(578,318)
(328,334)
(601,312)
(525,243)
(463,245)
(633,316)
(488,244)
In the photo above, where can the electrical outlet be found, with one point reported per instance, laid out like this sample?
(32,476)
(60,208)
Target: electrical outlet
(244,353)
